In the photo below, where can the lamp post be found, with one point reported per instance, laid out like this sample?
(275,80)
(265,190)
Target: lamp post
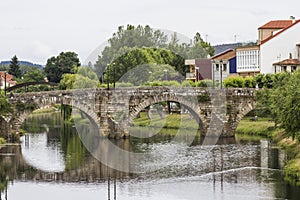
(114,75)
(5,83)
(221,69)
(166,74)
(213,73)
(107,77)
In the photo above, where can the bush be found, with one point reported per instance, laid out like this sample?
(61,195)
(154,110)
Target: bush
(249,82)
(163,83)
(234,81)
(204,83)
(124,84)
(187,83)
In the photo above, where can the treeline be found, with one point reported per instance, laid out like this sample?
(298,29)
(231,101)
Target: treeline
(280,100)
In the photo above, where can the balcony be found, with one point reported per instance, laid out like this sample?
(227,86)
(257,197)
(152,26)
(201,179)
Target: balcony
(190,76)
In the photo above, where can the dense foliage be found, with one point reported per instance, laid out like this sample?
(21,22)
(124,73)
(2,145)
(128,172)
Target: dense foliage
(65,62)
(124,44)
(5,106)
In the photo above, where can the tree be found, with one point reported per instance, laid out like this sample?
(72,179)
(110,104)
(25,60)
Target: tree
(141,61)
(14,67)
(5,106)
(65,62)
(286,105)
(34,75)
(126,38)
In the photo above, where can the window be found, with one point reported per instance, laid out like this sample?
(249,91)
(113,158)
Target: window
(224,67)
(293,68)
(217,67)
(283,68)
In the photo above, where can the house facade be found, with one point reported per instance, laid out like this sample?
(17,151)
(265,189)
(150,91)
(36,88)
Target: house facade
(6,78)
(199,69)
(223,65)
(280,46)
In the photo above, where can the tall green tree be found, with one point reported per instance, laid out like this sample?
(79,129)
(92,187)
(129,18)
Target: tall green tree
(64,63)
(14,67)
(136,59)
(127,38)
(286,105)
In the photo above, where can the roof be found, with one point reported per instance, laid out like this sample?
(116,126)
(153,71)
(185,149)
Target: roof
(225,55)
(8,76)
(288,62)
(286,28)
(277,24)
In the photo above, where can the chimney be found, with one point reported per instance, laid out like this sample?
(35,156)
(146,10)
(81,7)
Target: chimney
(293,19)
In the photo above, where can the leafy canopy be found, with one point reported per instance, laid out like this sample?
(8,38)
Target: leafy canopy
(65,62)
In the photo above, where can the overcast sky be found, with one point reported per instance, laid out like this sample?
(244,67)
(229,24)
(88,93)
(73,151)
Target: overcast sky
(35,30)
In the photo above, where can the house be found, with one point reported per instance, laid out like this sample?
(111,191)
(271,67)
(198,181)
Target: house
(199,69)
(223,65)
(289,65)
(9,82)
(279,45)
(247,58)
(278,40)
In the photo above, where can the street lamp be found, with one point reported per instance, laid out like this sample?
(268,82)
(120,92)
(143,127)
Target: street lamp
(166,74)
(114,75)
(107,77)
(213,73)
(221,69)
(5,83)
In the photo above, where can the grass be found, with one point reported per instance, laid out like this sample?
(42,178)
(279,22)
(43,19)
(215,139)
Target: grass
(44,110)
(263,127)
(171,121)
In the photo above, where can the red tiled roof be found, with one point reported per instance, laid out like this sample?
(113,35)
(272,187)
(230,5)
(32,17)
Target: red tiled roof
(288,62)
(286,28)
(8,76)
(277,24)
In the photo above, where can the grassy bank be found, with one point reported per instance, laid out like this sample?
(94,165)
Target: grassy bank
(266,128)
(172,121)
(263,127)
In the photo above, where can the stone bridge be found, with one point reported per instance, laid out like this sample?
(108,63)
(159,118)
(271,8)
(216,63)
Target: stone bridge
(217,111)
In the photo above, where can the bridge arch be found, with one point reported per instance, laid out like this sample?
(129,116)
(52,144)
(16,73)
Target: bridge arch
(39,103)
(191,105)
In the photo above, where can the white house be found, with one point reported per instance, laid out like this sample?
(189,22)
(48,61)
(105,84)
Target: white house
(281,45)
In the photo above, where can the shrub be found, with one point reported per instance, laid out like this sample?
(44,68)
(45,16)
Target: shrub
(234,81)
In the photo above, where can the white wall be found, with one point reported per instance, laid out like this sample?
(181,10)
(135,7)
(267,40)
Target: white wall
(217,74)
(278,48)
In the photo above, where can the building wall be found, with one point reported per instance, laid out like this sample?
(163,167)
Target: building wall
(279,48)
(247,59)
(217,70)
(265,33)
(232,66)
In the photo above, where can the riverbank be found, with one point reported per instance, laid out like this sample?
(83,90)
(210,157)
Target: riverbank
(264,127)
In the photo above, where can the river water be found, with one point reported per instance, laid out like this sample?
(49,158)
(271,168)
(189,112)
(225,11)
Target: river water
(52,163)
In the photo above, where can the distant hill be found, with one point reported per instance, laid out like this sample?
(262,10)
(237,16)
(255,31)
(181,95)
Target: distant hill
(22,63)
(223,47)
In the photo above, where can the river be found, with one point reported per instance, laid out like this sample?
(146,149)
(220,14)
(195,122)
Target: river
(52,163)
